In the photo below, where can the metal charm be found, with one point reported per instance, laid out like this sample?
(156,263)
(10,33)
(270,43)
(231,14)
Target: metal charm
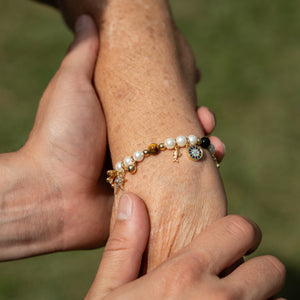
(195,153)
(116,180)
(176,155)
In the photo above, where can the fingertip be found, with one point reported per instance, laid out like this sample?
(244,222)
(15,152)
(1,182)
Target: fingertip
(278,269)
(82,53)
(85,29)
(84,22)
(249,229)
(139,211)
(124,208)
(207,119)
(132,210)
(220,149)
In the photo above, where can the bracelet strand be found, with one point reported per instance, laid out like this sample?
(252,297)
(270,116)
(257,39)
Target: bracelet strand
(195,149)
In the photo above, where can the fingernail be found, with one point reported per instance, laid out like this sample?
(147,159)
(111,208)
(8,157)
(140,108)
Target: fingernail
(224,148)
(82,22)
(125,208)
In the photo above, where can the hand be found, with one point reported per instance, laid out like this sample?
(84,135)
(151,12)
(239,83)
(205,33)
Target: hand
(54,199)
(193,271)
(67,145)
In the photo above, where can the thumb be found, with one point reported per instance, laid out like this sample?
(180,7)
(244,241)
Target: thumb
(82,54)
(121,260)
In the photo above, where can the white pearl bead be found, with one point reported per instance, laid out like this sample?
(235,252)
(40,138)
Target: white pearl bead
(128,161)
(170,143)
(138,156)
(119,166)
(181,141)
(192,139)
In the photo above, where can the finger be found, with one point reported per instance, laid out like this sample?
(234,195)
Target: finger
(123,253)
(260,277)
(198,75)
(220,149)
(82,54)
(207,119)
(231,268)
(224,242)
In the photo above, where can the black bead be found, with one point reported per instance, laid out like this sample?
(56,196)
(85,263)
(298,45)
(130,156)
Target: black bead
(205,142)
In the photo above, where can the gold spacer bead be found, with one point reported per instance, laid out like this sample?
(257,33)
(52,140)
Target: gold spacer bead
(162,147)
(146,153)
(199,141)
(132,169)
(111,172)
(153,149)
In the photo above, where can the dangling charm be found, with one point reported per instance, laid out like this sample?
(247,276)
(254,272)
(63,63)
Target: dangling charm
(195,152)
(176,154)
(119,182)
(211,149)
(112,174)
(116,180)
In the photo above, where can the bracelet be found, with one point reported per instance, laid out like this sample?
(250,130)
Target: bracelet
(193,144)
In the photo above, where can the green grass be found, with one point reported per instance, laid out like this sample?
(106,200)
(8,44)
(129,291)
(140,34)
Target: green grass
(249,54)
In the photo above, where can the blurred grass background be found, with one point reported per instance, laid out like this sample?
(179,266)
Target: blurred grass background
(249,55)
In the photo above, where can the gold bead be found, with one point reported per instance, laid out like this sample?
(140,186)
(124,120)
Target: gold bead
(132,169)
(111,172)
(162,146)
(198,141)
(146,152)
(153,149)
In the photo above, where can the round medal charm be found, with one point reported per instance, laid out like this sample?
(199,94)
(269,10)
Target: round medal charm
(195,153)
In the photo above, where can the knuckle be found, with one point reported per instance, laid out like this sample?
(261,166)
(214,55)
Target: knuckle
(240,226)
(186,270)
(70,78)
(226,293)
(116,244)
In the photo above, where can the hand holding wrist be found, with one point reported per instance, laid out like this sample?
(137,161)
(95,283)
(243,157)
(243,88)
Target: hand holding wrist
(62,161)
(193,271)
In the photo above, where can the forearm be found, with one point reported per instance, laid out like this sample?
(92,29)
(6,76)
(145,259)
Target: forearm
(147,91)
(139,75)
(145,77)
(27,226)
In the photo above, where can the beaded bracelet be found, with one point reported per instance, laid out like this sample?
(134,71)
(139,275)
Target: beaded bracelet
(193,144)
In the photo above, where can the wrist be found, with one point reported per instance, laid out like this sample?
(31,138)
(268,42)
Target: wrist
(28,204)
(182,199)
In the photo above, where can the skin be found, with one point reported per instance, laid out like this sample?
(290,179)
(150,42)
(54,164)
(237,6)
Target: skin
(53,196)
(192,273)
(145,77)
(51,200)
